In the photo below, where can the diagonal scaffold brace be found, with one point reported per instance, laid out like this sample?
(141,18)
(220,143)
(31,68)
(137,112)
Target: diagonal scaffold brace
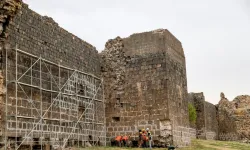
(65,141)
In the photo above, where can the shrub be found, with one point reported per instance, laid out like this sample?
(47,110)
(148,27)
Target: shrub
(192,113)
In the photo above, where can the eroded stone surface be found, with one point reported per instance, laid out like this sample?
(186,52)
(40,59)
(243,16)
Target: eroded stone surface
(146,87)
(234,118)
(9,8)
(206,123)
(144,79)
(40,36)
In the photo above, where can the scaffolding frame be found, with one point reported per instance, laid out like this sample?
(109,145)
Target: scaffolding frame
(51,104)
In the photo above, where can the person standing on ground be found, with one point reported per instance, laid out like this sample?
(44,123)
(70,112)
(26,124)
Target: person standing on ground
(140,139)
(125,140)
(149,138)
(144,138)
(118,140)
(129,142)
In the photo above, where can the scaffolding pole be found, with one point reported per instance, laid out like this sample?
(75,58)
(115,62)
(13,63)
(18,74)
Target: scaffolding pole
(80,118)
(59,95)
(16,99)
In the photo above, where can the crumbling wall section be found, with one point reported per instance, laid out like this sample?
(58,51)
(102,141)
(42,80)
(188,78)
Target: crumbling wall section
(130,101)
(154,87)
(8,10)
(227,124)
(113,70)
(233,117)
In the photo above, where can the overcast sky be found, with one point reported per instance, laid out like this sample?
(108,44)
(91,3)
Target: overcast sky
(215,34)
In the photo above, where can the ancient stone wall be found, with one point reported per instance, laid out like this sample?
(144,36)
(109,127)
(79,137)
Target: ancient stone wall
(144,79)
(198,100)
(25,30)
(206,122)
(42,36)
(145,85)
(8,9)
(233,117)
(184,135)
(157,41)
(211,122)
(229,120)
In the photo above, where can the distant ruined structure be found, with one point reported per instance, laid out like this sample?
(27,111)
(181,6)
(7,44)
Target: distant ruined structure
(234,118)
(57,91)
(206,124)
(227,121)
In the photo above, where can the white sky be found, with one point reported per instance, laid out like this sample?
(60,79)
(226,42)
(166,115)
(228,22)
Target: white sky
(215,34)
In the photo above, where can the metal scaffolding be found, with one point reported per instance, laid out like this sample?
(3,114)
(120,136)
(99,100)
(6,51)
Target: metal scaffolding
(50,104)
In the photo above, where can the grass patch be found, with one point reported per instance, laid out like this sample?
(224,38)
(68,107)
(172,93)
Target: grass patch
(196,145)
(232,145)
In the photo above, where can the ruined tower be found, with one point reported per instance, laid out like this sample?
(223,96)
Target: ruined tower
(146,86)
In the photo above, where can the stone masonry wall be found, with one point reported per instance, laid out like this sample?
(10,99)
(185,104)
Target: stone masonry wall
(211,121)
(144,79)
(233,117)
(184,135)
(40,36)
(8,9)
(164,44)
(206,123)
(198,100)
(154,84)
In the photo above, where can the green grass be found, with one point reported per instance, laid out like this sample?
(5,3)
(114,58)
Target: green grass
(232,145)
(196,145)
(217,145)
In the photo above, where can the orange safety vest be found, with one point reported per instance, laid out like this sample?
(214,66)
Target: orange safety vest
(125,138)
(118,138)
(144,137)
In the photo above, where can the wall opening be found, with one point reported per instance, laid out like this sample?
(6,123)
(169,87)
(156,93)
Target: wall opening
(118,102)
(116,119)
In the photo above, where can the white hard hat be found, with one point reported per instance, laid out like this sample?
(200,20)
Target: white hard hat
(147,129)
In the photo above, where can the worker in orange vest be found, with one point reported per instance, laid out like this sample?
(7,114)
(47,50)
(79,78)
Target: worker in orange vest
(144,138)
(140,139)
(125,140)
(118,140)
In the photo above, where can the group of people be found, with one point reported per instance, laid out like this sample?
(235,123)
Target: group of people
(145,139)
(122,140)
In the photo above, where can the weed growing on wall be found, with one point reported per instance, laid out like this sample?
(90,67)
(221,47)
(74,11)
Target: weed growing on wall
(192,113)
